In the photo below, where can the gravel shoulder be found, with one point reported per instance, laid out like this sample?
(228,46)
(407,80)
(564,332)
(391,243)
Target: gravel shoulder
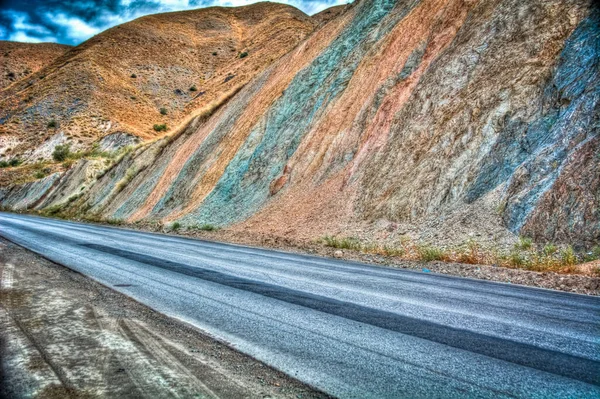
(577,283)
(63,335)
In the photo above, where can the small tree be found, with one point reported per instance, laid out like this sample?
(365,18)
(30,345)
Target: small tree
(52,124)
(193,88)
(61,152)
(133,76)
(160,128)
(244,54)
(163,111)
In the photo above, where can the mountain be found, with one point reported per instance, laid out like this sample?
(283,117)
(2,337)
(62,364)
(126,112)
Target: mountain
(158,69)
(442,119)
(18,60)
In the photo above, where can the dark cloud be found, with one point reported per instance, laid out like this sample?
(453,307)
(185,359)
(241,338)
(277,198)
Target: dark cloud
(72,22)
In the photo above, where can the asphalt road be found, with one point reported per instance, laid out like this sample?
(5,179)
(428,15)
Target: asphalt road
(350,329)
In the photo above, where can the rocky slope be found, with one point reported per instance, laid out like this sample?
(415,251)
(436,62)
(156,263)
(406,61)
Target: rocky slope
(18,60)
(441,119)
(158,69)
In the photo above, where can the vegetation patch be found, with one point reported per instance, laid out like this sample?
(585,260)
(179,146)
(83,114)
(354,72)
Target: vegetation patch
(160,127)
(62,152)
(524,243)
(12,163)
(429,253)
(204,227)
(343,243)
(525,254)
(129,175)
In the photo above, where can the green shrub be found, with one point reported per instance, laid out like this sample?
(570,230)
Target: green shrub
(517,259)
(52,124)
(525,243)
(568,257)
(133,76)
(61,152)
(4,164)
(54,210)
(207,227)
(214,53)
(176,226)
(549,249)
(244,54)
(160,128)
(193,88)
(393,251)
(342,243)
(429,253)
(163,111)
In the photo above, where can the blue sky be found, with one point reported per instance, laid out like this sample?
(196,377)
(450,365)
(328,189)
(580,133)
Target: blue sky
(72,21)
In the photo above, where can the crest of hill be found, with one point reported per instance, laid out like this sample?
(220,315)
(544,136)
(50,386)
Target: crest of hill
(18,60)
(156,70)
(330,13)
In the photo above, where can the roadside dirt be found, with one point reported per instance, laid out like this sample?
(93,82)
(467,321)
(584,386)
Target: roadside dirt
(576,283)
(64,336)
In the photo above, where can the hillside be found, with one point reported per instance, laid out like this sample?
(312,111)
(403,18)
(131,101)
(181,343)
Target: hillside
(158,69)
(441,120)
(18,60)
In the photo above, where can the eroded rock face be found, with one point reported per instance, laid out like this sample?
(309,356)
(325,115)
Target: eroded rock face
(116,141)
(471,117)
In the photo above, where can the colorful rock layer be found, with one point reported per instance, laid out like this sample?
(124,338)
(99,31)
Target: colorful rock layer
(400,111)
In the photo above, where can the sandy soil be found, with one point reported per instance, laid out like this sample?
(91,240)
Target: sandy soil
(63,335)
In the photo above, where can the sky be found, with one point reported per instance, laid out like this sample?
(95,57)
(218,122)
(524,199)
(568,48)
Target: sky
(73,22)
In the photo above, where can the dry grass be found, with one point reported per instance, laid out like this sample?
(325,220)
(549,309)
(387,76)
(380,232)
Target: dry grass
(129,176)
(525,254)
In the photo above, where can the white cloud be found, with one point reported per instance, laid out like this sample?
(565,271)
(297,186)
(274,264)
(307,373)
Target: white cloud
(64,25)
(74,27)
(23,30)
(23,37)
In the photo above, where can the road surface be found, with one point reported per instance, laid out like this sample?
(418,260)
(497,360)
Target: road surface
(350,329)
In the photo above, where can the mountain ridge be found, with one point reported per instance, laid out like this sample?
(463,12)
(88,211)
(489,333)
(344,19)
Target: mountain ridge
(156,69)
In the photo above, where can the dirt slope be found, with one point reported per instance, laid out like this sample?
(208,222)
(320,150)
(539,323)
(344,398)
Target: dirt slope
(19,60)
(158,69)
